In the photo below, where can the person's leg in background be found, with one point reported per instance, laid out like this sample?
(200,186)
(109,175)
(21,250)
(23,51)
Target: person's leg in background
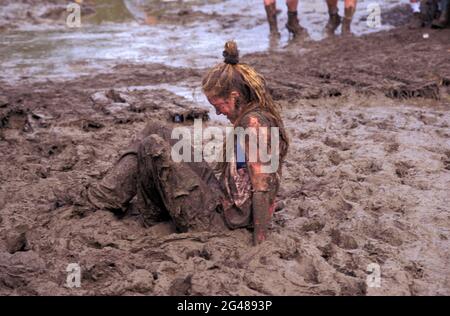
(349,11)
(428,11)
(443,19)
(334,20)
(293,24)
(271,12)
(416,19)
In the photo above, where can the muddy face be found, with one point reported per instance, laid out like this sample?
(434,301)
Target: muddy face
(225,106)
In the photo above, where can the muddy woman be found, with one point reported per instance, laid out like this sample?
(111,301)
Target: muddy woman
(188,193)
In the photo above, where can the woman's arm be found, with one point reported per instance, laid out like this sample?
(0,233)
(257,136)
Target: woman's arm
(264,184)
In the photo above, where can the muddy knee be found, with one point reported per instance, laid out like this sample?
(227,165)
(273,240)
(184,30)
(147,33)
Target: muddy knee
(117,187)
(153,145)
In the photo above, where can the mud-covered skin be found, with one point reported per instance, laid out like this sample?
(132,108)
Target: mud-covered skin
(259,122)
(261,216)
(265,185)
(256,209)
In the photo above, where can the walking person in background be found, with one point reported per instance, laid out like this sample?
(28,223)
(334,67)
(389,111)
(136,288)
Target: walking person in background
(434,13)
(293,24)
(443,19)
(416,19)
(335,19)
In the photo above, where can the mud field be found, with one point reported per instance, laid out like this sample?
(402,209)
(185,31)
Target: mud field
(366,179)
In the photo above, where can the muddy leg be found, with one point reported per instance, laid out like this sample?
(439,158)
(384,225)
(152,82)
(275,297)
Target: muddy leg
(271,12)
(442,21)
(191,202)
(119,185)
(350,8)
(202,169)
(117,188)
(334,20)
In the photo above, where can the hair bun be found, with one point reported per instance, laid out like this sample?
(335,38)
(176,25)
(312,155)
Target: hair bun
(231,53)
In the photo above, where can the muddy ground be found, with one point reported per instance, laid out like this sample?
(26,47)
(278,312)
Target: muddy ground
(366,180)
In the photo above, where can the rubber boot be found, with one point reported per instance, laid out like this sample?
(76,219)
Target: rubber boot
(346,23)
(333,22)
(293,25)
(271,12)
(428,11)
(442,21)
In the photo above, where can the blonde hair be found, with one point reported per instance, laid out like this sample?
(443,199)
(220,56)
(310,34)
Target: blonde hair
(230,75)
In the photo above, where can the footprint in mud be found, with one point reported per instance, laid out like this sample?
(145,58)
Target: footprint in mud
(446,160)
(351,285)
(376,254)
(391,147)
(19,268)
(181,286)
(338,207)
(91,125)
(428,119)
(403,92)
(334,142)
(367,166)
(313,225)
(355,192)
(391,236)
(16,240)
(343,240)
(40,120)
(140,281)
(327,251)
(99,269)
(51,145)
(402,168)
(416,270)
(334,157)
(61,151)
(15,117)
(353,123)
(307,269)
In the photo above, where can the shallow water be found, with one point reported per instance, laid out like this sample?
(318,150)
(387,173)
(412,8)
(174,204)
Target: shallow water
(117,34)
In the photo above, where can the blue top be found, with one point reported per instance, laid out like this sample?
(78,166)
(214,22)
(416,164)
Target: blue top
(240,157)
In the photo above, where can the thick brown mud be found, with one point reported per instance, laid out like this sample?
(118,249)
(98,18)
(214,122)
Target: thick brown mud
(366,180)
